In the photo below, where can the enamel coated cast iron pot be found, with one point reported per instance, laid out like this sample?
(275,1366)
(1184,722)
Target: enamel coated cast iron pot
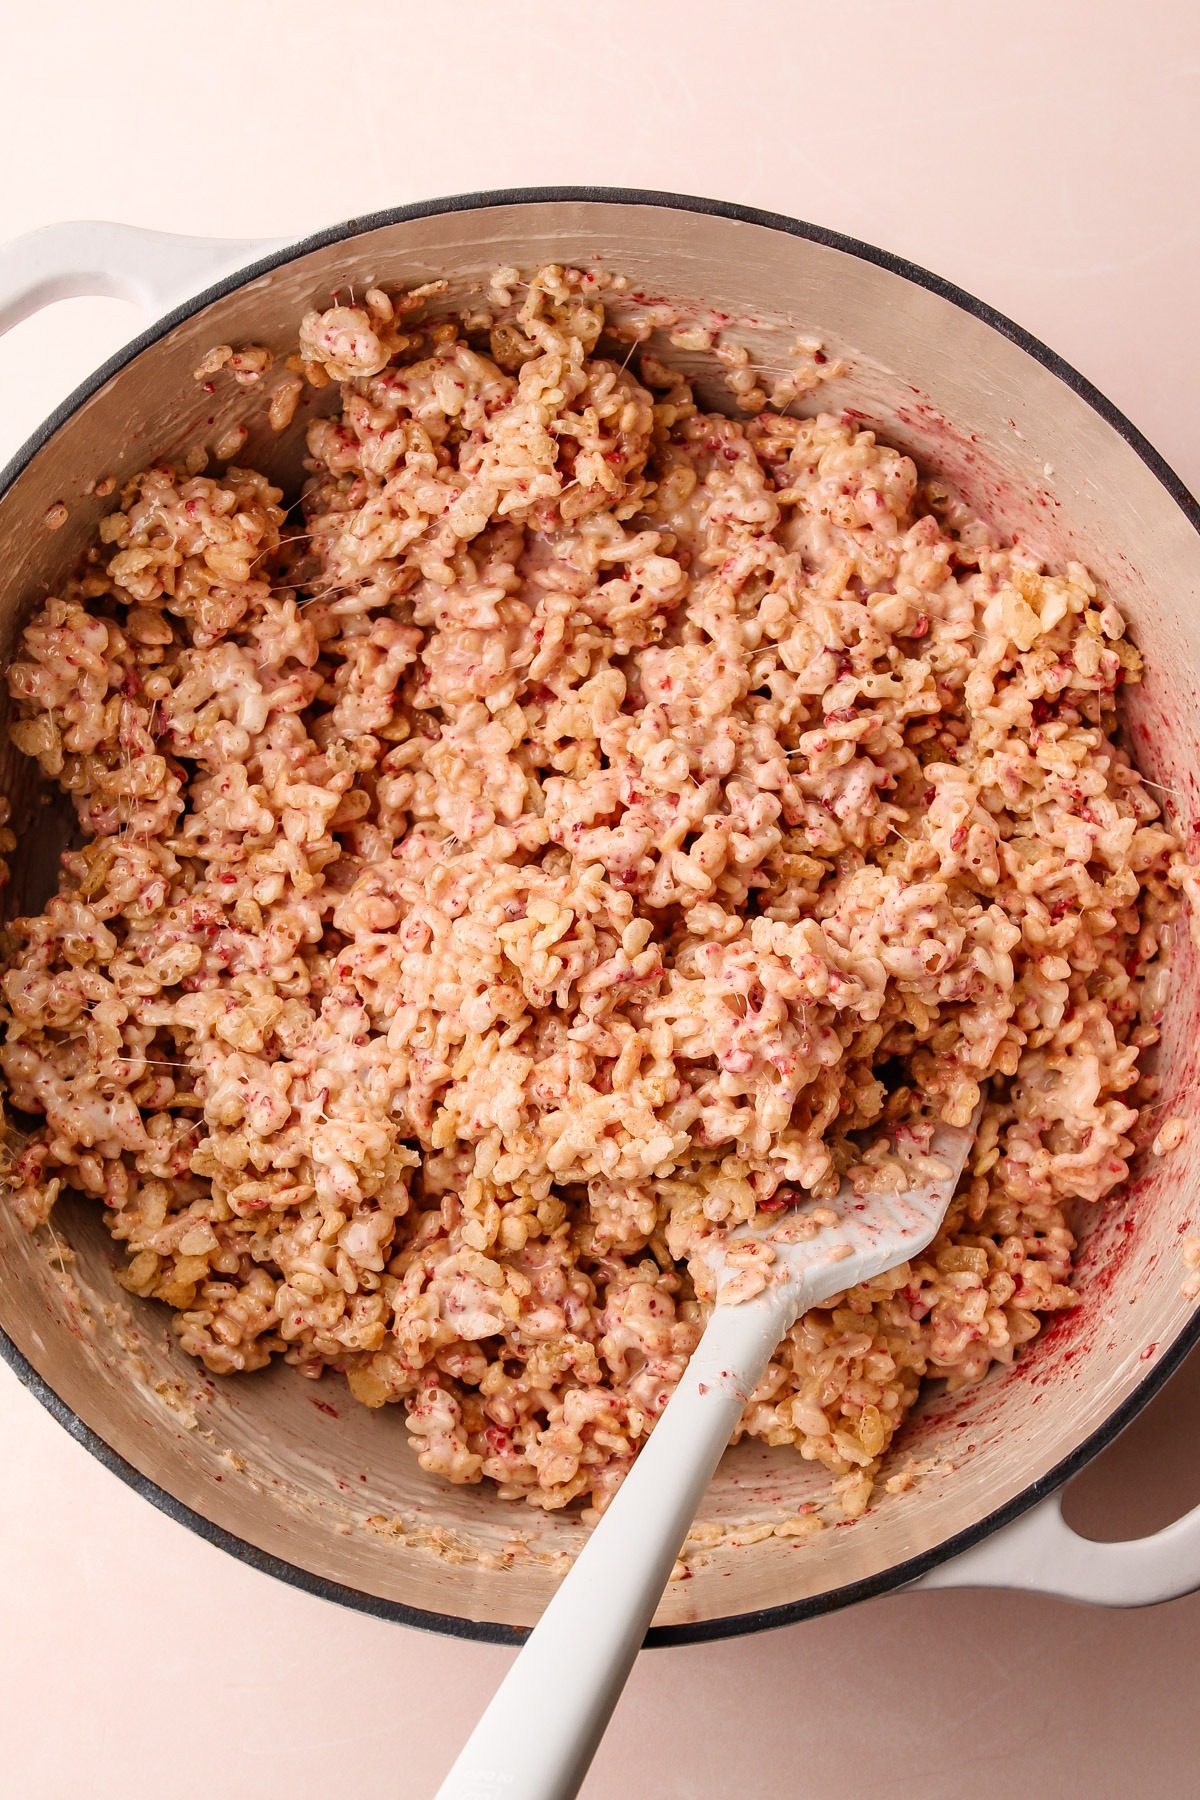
(251,1463)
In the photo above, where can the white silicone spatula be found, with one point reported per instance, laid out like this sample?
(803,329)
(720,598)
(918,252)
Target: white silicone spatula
(541,1730)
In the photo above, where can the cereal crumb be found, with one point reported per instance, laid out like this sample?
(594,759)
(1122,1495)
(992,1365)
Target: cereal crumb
(799,1525)
(228,446)
(705,1533)
(1171,1134)
(1191,1261)
(427,290)
(56,516)
(691,337)
(742,1535)
(251,364)
(504,283)
(743,1286)
(215,359)
(284,401)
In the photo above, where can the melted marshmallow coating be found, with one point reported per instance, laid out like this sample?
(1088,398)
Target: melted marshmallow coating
(593,823)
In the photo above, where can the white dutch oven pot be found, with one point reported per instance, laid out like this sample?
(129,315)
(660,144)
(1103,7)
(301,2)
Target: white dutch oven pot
(252,1463)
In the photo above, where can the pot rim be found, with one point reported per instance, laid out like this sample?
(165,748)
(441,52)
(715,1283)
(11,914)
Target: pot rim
(898,1575)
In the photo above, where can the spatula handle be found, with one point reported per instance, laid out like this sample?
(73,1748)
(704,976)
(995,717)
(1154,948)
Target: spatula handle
(540,1732)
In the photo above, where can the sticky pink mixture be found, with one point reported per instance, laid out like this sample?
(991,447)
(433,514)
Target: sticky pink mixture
(584,823)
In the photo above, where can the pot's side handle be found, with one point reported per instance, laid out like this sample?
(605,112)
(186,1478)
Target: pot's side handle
(153,269)
(1040,1553)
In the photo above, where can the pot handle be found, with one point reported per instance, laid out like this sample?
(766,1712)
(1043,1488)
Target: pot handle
(153,269)
(1040,1553)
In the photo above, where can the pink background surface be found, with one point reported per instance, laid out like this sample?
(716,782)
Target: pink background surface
(1046,157)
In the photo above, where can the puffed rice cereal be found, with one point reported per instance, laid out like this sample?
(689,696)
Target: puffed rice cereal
(585,824)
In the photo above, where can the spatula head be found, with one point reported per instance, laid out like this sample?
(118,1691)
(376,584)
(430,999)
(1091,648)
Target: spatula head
(823,1248)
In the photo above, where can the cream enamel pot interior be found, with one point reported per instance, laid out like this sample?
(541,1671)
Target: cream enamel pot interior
(254,1463)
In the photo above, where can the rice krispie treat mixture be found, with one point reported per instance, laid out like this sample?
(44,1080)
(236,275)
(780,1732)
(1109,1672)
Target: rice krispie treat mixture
(584,824)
